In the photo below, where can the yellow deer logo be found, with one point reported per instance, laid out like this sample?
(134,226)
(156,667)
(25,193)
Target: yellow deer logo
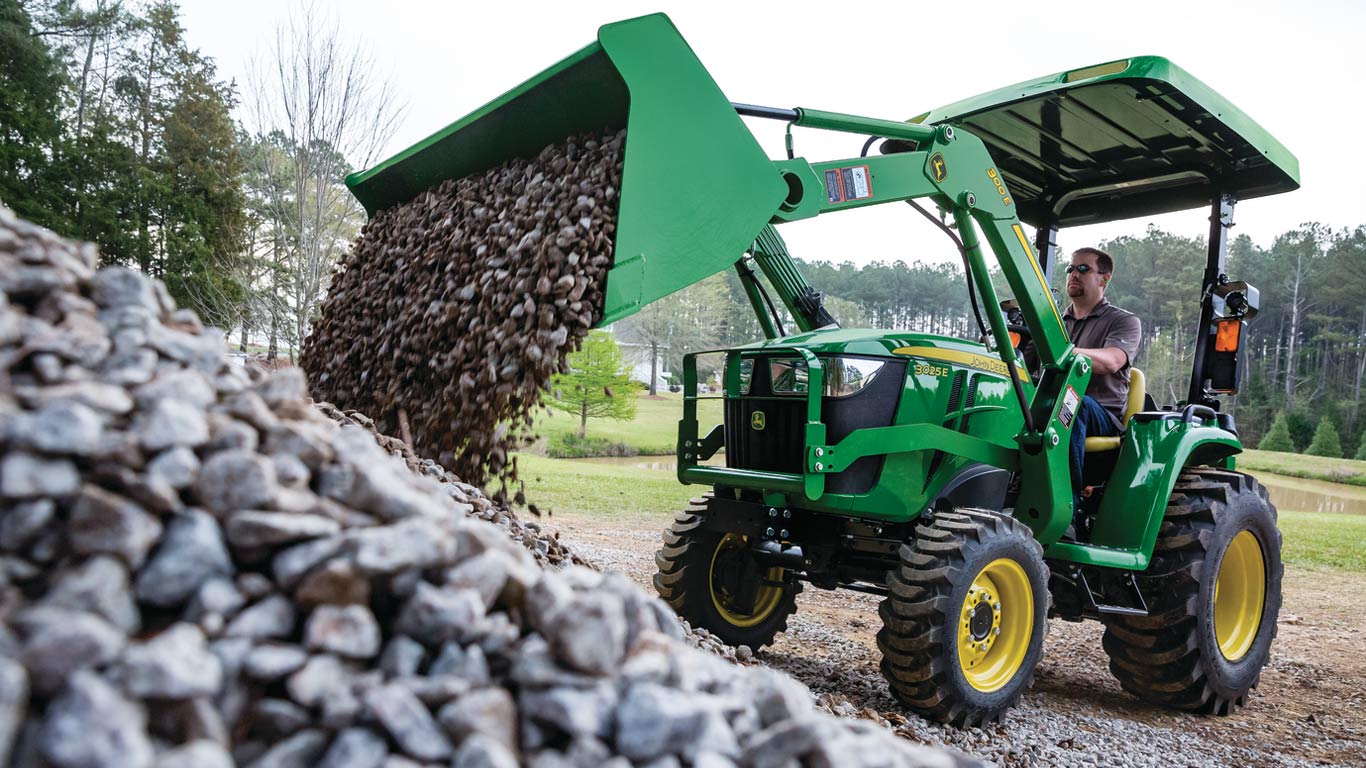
(939,170)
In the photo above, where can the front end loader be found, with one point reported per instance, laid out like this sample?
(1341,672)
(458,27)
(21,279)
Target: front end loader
(931,470)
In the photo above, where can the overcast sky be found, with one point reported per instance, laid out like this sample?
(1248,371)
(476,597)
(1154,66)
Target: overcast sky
(1284,63)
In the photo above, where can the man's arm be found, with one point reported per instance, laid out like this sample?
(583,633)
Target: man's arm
(1105,360)
(1121,344)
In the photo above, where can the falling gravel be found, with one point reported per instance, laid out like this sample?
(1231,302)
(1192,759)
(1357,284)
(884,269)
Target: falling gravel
(453,310)
(200,566)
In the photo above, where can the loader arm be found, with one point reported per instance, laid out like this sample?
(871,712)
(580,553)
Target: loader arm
(697,191)
(802,301)
(954,170)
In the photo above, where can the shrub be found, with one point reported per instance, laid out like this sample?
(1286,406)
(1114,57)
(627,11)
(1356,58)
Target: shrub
(1361,449)
(1301,427)
(1326,440)
(571,446)
(1278,437)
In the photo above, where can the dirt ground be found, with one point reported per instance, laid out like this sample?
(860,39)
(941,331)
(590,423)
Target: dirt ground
(1310,708)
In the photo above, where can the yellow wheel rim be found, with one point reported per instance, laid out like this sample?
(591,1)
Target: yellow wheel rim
(765,602)
(1239,596)
(995,625)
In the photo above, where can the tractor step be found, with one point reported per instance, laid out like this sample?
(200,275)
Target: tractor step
(1122,610)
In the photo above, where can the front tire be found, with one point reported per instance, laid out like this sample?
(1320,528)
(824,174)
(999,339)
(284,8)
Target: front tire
(1214,595)
(964,625)
(710,579)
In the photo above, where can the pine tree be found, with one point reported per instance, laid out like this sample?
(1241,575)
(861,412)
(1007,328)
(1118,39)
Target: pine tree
(1278,437)
(598,384)
(30,84)
(1326,440)
(206,204)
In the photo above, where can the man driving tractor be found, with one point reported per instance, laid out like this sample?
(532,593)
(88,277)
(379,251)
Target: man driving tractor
(1108,336)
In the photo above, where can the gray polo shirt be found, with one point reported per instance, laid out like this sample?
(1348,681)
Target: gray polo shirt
(1107,326)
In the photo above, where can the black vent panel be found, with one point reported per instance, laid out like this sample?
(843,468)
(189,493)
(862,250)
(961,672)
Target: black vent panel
(775,448)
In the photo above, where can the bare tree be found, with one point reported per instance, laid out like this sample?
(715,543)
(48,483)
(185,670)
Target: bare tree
(1305,246)
(318,101)
(677,324)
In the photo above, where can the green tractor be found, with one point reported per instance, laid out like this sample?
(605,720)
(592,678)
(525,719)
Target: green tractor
(929,470)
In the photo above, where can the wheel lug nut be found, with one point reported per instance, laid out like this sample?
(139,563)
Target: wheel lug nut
(995,630)
(997,606)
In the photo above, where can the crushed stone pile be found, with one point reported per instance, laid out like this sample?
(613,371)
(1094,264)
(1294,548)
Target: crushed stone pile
(452,311)
(544,545)
(199,567)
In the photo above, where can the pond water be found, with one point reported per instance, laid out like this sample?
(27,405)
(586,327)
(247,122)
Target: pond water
(1293,493)
(1287,493)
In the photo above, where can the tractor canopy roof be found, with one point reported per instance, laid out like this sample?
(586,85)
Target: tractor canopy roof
(1128,138)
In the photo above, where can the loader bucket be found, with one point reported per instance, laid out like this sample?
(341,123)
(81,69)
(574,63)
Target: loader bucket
(696,186)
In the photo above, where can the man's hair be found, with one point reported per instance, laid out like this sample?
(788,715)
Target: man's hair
(1104,264)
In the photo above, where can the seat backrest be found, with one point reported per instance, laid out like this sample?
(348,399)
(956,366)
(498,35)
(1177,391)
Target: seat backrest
(1138,390)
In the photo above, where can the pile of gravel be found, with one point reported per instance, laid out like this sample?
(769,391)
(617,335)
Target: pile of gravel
(453,310)
(198,567)
(544,545)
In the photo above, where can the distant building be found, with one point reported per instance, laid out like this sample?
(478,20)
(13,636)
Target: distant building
(639,355)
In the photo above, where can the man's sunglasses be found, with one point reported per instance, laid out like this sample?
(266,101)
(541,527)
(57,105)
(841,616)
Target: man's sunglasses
(1082,268)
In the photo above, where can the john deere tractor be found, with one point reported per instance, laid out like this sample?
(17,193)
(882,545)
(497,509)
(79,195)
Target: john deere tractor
(930,470)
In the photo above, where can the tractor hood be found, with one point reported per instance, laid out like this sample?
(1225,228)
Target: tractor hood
(1134,137)
(866,342)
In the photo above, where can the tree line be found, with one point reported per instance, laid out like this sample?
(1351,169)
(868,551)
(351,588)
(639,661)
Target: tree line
(114,129)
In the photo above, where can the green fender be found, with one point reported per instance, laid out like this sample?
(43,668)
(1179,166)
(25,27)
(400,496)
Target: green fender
(1152,454)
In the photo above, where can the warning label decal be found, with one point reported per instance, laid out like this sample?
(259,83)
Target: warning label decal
(834,193)
(1068,411)
(845,184)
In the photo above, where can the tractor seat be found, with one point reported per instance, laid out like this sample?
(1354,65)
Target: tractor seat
(1138,390)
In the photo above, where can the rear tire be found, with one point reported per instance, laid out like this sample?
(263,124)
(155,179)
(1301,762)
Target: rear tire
(1214,595)
(702,574)
(964,625)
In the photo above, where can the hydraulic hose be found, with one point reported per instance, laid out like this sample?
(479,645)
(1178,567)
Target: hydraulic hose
(962,253)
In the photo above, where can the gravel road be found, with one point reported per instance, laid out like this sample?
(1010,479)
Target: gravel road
(1309,711)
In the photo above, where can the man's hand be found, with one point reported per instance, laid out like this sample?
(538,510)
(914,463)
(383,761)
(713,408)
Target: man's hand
(1105,360)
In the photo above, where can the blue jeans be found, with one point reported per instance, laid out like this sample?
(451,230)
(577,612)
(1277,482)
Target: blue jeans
(1092,421)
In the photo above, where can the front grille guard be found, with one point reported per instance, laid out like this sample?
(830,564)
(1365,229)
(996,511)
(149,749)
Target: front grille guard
(818,458)
(691,450)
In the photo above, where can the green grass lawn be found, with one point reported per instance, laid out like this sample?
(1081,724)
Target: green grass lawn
(1323,539)
(580,488)
(644,496)
(1347,471)
(652,432)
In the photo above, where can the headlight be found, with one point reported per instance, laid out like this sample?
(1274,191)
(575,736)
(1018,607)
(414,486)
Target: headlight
(847,375)
(787,375)
(843,376)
